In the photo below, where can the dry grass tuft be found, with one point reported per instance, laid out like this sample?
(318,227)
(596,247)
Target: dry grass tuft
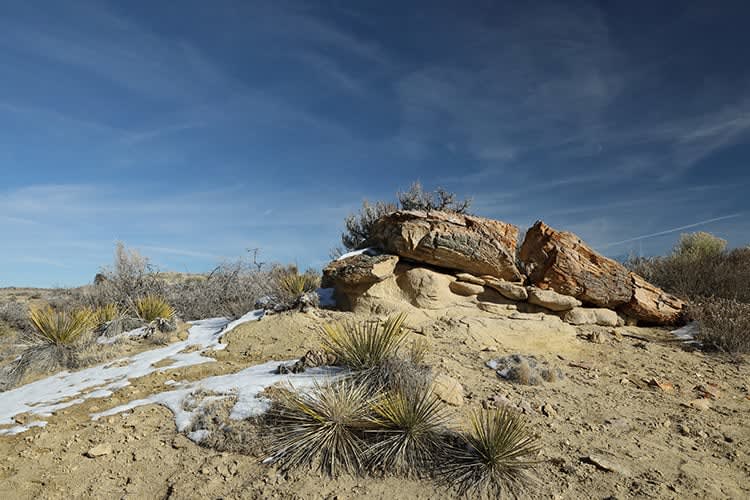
(494,458)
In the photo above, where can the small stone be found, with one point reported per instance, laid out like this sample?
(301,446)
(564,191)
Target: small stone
(684,429)
(699,404)
(549,411)
(606,464)
(99,450)
(449,390)
(180,441)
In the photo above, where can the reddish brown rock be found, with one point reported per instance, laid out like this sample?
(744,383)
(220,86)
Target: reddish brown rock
(651,304)
(465,243)
(561,261)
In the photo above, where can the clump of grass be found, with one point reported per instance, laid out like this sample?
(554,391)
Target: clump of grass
(408,428)
(153,307)
(60,327)
(494,458)
(106,313)
(364,346)
(321,425)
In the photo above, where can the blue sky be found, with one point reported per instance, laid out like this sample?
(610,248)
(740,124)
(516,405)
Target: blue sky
(195,130)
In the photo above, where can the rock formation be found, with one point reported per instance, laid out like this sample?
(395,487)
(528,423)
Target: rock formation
(434,260)
(562,262)
(465,243)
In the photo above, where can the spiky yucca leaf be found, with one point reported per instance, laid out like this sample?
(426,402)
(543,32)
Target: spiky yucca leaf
(365,345)
(60,327)
(106,313)
(494,458)
(408,425)
(323,423)
(152,307)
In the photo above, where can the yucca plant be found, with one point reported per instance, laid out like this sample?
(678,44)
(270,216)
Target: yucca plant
(323,424)
(367,345)
(61,328)
(152,307)
(408,425)
(294,284)
(106,313)
(494,458)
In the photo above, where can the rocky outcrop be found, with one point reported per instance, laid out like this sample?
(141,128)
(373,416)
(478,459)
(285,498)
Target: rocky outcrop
(460,242)
(650,304)
(552,300)
(437,260)
(562,262)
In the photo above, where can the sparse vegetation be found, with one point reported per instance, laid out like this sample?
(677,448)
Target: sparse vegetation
(106,313)
(59,327)
(152,307)
(715,281)
(324,424)
(494,458)
(358,227)
(409,424)
(292,284)
(367,346)
(724,324)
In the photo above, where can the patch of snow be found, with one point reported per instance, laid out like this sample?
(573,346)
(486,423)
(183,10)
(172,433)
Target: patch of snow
(371,251)
(326,297)
(688,332)
(22,428)
(245,386)
(65,389)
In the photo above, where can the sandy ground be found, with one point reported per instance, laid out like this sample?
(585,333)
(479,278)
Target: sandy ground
(607,410)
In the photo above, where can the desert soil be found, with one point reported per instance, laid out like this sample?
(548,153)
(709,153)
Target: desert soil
(623,422)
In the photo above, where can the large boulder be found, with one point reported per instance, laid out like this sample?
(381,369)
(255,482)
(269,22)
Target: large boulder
(650,304)
(465,243)
(426,289)
(561,261)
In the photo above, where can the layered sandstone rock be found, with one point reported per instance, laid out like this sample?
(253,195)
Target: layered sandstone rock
(562,262)
(464,243)
(552,300)
(358,270)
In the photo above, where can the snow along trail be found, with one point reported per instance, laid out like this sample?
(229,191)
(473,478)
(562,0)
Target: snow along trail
(244,385)
(65,389)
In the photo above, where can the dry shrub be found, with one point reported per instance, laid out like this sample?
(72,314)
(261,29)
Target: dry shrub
(231,290)
(15,316)
(291,285)
(494,458)
(526,370)
(724,324)
(358,227)
(130,278)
